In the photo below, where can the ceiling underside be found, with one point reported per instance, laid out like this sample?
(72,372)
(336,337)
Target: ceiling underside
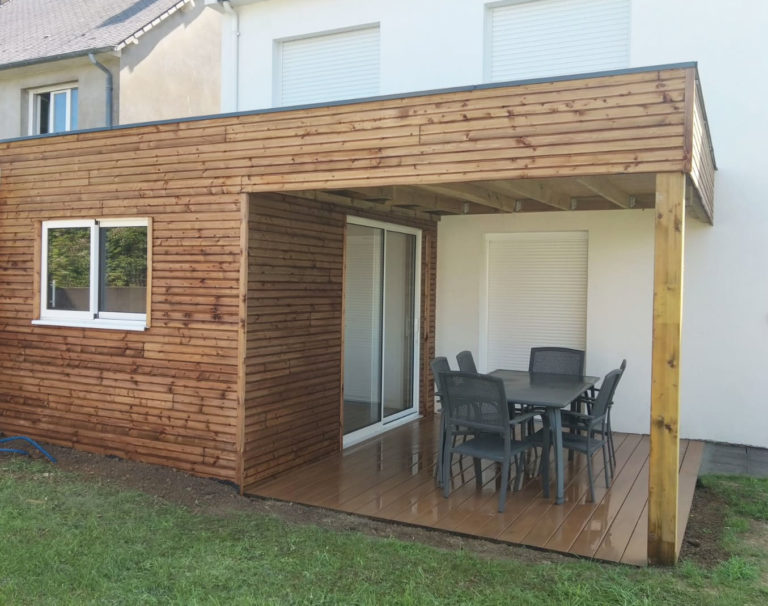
(523,195)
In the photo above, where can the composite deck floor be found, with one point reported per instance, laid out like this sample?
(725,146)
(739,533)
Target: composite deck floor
(391,477)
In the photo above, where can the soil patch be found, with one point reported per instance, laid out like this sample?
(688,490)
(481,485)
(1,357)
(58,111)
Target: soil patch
(702,543)
(212,497)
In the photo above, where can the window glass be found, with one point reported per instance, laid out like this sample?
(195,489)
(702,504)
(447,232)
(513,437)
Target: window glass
(44,111)
(94,273)
(123,271)
(69,263)
(53,111)
(60,112)
(73,109)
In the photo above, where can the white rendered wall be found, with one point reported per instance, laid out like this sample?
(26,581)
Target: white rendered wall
(425,44)
(430,44)
(619,293)
(725,322)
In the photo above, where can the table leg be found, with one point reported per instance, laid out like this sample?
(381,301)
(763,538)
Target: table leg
(545,456)
(555,422)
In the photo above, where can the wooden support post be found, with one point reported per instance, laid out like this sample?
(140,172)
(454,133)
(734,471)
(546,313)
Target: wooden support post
(242,334)
(665,369)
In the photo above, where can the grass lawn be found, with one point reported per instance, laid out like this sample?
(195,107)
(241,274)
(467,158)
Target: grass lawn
(69,541)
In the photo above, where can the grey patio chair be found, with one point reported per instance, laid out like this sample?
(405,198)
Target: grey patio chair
(588,400)
(588,432)
(466,361)
(478,403)
(556,360)
(440,365)
(559,361)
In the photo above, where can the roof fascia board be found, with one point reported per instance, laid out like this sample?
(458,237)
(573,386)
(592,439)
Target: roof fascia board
(405,95)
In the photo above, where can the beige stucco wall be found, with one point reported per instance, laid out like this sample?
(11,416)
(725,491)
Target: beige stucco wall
(16,82)
(175,69)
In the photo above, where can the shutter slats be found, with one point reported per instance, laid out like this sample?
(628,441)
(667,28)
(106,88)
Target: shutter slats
(557,37)
(537,295)
(342,65)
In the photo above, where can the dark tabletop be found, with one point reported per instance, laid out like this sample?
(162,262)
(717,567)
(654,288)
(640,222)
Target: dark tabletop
(543,389)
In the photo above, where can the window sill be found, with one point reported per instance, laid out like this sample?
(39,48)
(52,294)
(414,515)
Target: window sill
(98,323)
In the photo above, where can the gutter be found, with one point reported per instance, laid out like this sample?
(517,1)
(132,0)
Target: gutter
(61,57)
(109,89)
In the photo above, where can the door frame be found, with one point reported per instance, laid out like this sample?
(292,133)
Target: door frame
(407,415)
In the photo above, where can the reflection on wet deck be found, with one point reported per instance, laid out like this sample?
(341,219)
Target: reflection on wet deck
(392,478)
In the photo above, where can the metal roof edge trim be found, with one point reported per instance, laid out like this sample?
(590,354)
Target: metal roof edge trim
(342,102)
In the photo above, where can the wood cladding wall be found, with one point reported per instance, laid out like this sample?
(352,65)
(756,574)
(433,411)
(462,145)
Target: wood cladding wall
(293,361)
(702,157)
(166,395)
(626,123)
(176,394)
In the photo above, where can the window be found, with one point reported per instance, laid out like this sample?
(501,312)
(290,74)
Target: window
(543,38)
(326,67)
(536,295)
(52,110)
(94,273)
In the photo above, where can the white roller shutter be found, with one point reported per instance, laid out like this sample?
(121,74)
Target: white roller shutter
(541,38)
(326,67)
(536,295)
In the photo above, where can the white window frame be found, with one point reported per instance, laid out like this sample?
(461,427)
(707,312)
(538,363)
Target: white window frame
(409,414)
(93,318)
(278,55)
(34,107)
(485,298)
(490,7)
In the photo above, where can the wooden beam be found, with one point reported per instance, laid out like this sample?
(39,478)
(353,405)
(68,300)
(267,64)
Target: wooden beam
(474,193)
(609,191)
(534,190)
(411,196)
(384,206)
(665,368)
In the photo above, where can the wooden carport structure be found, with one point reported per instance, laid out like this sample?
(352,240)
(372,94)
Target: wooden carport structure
(247,216)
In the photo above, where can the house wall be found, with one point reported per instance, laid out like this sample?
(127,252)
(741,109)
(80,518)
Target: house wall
(175,393)
(294,353)
(91,82)
(725,323)
(424,45)
(619,293)
(174,70)
(166,395)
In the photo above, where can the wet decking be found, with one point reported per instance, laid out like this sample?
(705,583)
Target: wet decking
(392,478)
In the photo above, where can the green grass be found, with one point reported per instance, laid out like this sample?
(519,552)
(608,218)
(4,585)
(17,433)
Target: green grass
(70,541)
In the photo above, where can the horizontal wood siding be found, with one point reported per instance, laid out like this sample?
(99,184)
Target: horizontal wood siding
(166,395)
(702,157)
(630,123)
(170,394)
(293,361)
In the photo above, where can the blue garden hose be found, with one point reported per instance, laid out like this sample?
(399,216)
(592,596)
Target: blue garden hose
(24,452)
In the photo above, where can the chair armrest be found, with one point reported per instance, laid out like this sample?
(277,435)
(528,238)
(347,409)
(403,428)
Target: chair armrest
(522,417)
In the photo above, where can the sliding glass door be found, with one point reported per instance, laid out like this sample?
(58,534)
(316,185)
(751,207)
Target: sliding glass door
(381,278)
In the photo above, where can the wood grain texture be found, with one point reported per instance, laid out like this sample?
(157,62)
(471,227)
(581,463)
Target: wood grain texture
(166,395)
(212,386)
(665,368)
(702,169)
(595,126)
(293,362)
(392,478)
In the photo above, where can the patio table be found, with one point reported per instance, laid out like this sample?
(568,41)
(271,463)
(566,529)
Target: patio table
(550,392)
